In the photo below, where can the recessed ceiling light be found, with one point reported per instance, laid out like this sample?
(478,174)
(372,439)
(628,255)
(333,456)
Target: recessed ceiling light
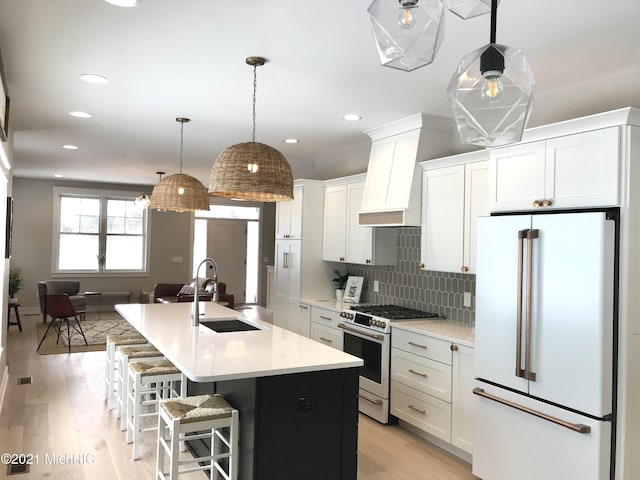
(124,3)
(352,117)
(57,175)
(69,147)
(291,140)
(80,114)
(93,78)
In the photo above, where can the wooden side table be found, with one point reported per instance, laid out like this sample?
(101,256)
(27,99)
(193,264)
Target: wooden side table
(13,304)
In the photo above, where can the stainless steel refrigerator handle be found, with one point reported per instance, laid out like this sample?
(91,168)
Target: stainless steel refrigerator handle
(522,234)
(528,373)
(576,427)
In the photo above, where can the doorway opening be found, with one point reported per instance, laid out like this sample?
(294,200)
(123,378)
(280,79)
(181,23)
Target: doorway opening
(231,236)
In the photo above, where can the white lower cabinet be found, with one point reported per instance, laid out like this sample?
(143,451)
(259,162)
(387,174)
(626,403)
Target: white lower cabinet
(300,318)
(462,397)
(421,410)
(431,386)
(324,327)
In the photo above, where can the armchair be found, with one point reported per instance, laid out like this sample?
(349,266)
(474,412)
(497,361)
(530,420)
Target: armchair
(56,287)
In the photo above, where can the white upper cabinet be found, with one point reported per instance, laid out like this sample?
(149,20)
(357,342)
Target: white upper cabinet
(344,239)
(335,223)
(453,197)
(289,216)
(571,171)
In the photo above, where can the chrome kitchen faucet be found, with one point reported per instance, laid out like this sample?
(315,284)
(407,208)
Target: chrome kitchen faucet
(195,311)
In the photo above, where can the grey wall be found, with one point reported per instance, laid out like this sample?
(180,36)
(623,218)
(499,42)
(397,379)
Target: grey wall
(33,229)
(405,284)
(170,236)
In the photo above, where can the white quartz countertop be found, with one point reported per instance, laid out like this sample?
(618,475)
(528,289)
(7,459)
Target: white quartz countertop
(207,356)
(443,329)
(330,304)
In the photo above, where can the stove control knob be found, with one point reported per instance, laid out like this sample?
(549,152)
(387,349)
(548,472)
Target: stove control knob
(342,314)
(383,324)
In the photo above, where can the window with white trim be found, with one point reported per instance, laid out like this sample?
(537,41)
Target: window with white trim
(98,231)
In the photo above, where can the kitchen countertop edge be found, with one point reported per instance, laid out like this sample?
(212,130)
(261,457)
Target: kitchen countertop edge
(209,356)
(442,329)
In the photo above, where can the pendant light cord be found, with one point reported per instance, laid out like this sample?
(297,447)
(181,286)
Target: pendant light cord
(181,142)
(255,86)
(494,15)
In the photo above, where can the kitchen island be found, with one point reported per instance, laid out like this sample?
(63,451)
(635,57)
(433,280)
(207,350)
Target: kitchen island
(297,398)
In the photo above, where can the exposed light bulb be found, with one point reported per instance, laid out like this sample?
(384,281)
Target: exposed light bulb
(252,167)
(406,19)
(492,87)
(180,190)
(142,201)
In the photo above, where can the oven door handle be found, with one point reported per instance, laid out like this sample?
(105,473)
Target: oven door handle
(360,332)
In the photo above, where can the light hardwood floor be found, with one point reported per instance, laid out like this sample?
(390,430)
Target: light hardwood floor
(63,413)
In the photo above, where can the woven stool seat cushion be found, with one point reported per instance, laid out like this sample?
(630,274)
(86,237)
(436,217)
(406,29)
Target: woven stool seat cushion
(197,408)
(125,339)
(157,367)
(140,352)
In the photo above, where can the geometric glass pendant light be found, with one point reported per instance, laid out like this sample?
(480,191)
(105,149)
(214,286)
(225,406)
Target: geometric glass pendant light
(491,93)
(179,192)
(252,170)
(142,201)
(469,8)
(408,33)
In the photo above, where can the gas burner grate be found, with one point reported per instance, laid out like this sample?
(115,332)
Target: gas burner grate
(393,312)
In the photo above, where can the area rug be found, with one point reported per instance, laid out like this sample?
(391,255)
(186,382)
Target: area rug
(96,331)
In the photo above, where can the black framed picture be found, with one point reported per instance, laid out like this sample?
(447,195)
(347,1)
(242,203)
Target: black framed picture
(9,228)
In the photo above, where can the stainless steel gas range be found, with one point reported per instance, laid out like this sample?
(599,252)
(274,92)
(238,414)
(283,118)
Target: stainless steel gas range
(367,334)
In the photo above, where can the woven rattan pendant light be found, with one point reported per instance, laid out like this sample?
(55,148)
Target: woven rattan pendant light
(179,192)
(252,170)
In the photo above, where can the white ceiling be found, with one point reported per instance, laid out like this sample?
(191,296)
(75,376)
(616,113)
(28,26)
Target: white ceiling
(185,58)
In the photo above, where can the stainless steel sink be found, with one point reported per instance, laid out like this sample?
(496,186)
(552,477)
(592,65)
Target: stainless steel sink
(229,325)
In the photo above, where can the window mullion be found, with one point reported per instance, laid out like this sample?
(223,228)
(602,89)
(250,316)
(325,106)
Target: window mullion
(102,238)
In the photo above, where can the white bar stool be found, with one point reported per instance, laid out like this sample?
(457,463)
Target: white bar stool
(111,366)
(192,418)
(148,383)
(125,355)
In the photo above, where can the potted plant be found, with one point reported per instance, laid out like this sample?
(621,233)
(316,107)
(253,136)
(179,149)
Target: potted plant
(339,282)
(16,281)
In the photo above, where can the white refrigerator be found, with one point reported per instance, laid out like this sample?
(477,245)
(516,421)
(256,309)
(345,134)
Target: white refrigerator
(545,327)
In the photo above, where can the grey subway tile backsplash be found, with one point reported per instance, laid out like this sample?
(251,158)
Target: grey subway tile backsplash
(406,285)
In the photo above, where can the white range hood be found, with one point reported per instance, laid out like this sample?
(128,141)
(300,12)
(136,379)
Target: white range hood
(392,192)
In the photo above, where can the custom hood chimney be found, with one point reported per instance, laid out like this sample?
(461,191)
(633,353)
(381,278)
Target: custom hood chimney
(392,191)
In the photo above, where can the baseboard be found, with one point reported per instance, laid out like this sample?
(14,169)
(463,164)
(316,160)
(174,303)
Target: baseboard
(3,386)
(30,311)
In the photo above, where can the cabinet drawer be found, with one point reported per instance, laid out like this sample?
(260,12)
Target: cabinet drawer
(322,316)
(422,345)
(326,335)
(421,410)
(421,373)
